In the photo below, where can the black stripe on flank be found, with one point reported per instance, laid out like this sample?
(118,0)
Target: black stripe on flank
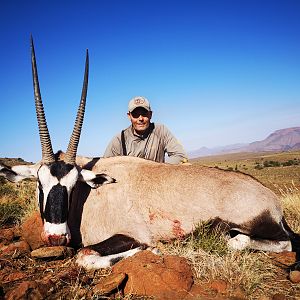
(116,244)
(262,226)
(265,227)
(56,210)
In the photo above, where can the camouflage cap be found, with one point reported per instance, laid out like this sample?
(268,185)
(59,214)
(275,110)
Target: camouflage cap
(138,101)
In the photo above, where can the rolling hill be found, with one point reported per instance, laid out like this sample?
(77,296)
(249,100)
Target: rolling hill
(280,140)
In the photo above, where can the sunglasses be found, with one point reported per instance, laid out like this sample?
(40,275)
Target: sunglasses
(136,113)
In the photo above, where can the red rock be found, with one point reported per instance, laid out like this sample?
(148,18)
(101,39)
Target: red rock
(219,285)
(7,276)
(25,290)
(69,275)
(239,293)
(31,231)
(278,297)
(168,277)
(284,258)
(15,250)
(264,297)
(196,292)
(6,236)
(109,283)
(294,276)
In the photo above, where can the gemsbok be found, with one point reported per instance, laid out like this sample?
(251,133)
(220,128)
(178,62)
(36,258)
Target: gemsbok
(114,207)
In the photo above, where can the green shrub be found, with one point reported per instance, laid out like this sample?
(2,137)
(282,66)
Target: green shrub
(211,240)
(10,213)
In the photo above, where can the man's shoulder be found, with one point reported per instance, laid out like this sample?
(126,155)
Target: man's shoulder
(160,128)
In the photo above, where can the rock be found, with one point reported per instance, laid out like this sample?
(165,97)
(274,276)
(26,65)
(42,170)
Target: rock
(264,297)
(197,292)
(31,231)
(15,250)
(53,252)
(25,290)
(6,275)
(278,297)
(6,236)
(109,283)
(238,294)
(219,285)
(284,258)
(151,275)
(72,275)
(294,276)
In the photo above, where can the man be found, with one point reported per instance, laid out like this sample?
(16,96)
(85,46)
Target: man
(145,139)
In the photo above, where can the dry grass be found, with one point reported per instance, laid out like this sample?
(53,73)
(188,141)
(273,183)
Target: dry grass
(291,206)
(246,270)
(17,201)
(274,178)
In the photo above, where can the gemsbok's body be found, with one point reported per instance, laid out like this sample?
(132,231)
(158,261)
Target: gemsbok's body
(116,206)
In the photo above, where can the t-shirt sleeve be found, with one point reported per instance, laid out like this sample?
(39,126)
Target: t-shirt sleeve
(113,148)
(174,149)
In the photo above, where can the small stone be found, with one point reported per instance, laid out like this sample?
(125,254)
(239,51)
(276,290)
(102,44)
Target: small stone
(25,290)
(264,297)
(69,275)
(6,236)
(6,277)
(239,293)
(109,283)
(15,250)
(295,276)
(219,285)
(53,252)
(286,258)
(278,297)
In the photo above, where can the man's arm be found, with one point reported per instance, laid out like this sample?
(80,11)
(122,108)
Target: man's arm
(174,149)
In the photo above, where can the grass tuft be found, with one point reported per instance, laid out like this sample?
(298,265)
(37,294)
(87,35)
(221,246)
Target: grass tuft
(11,213)
(17,201)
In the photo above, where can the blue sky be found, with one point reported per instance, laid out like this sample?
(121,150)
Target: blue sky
(215,72)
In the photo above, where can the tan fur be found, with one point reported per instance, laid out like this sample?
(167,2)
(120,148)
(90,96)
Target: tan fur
(152,201)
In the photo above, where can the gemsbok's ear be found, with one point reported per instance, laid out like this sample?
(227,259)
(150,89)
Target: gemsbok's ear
(17,173)
(95,180)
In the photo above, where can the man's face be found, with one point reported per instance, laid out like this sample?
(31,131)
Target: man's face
(140,119)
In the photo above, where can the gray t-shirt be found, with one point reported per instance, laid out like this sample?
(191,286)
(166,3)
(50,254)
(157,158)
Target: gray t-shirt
(153,145)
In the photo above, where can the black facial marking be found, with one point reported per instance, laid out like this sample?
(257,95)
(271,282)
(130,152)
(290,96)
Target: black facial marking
(56,210)
(60,169)
(41,200)
(116,244)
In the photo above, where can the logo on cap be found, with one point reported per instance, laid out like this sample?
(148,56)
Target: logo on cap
(139,101)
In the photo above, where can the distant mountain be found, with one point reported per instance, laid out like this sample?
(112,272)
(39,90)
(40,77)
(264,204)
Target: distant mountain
(280,140)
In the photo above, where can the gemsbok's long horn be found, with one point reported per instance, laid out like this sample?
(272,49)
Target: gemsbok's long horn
(47,151)
(70,156)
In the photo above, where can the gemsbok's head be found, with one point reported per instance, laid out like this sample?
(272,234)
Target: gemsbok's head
(55,178)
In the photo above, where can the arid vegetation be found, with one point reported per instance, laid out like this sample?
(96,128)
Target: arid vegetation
(253,274)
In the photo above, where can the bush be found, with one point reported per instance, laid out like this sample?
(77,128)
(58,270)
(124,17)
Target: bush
(258,167)
(271,163)
(211,240)
(10,213)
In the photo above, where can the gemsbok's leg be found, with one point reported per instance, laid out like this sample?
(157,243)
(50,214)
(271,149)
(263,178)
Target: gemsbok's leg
(242,241)
(108,252)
